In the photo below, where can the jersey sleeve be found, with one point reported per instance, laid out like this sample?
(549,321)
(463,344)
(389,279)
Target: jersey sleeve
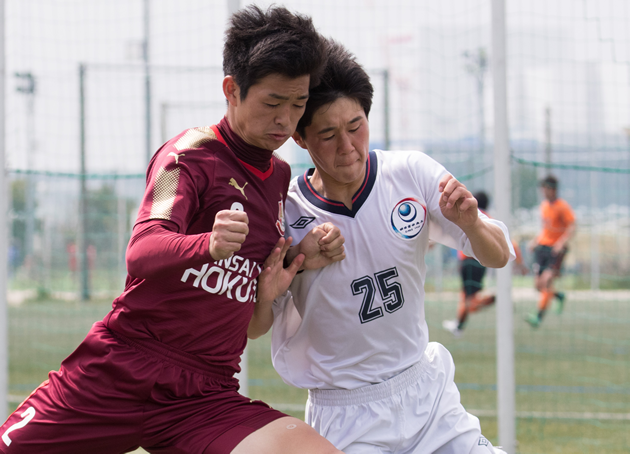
(175,180)
(428,174)
(155,250)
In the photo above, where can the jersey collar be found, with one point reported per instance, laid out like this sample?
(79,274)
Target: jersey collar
(332,206)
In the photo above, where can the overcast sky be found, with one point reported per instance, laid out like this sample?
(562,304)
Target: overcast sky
(566,55)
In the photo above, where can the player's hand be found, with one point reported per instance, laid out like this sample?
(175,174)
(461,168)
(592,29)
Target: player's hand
(228,233)
(275,279)
(457,203)
(322,246)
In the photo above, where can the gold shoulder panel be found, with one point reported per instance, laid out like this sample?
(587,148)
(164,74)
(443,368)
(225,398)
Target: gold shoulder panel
(194,138)
(164,192)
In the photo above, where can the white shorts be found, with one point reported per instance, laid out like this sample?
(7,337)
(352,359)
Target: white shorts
(417,411)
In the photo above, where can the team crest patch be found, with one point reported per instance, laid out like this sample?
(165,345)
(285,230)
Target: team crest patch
(408,218)
(302,222)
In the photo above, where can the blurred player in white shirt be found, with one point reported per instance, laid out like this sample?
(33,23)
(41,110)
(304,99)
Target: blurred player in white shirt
(354,333)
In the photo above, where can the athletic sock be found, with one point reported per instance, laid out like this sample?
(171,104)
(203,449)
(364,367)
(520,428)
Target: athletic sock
(545,297)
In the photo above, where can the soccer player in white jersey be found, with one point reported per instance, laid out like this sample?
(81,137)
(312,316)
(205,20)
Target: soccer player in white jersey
(354,333)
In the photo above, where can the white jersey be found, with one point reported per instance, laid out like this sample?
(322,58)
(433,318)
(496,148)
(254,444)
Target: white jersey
(361,321)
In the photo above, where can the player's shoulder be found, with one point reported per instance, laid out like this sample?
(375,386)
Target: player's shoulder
(566,210)
(402,156)
(200,138)
(564,204)
(188,146)
(558,205)
(414,164)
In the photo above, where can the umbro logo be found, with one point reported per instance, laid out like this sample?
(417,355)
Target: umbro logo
(240,188)
(176,156)
(302,222)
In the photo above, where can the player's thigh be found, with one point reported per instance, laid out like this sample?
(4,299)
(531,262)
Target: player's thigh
(50,421)
(546,278)
(92,404)
(556,263)
(286,435)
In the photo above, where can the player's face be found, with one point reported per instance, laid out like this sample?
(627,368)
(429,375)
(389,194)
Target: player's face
(269,114)
(338,141)
(549,193)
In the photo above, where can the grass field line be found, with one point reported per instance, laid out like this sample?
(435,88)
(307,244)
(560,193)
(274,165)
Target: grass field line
(519,414)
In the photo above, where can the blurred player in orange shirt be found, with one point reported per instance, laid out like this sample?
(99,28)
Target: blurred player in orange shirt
(472,273)
(550,247)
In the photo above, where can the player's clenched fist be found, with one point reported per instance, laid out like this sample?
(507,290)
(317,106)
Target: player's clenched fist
(228,233)
(456,202)
(322,246)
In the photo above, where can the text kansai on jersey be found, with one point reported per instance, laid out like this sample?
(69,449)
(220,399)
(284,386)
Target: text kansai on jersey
(230,275)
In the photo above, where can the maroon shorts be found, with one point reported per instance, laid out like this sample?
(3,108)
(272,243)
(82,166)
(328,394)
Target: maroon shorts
(113,396)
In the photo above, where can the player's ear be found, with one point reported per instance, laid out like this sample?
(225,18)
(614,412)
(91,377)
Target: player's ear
(231,90)
(298,139)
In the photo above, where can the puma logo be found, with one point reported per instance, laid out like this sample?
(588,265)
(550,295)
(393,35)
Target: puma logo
(176,156)
(235,184)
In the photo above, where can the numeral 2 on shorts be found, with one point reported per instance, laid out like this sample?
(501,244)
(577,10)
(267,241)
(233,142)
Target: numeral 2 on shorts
(391,294)
(28,414)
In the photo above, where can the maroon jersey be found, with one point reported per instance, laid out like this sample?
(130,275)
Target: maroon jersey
(176,294)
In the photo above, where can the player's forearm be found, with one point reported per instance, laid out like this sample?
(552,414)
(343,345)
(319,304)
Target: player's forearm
(489,244)
(261,321)
(292,253)
(155,251)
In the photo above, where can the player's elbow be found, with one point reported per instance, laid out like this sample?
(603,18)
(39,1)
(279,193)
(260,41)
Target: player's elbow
(499,257)
(255,330)
(253,333)
(504,259)
(503,255)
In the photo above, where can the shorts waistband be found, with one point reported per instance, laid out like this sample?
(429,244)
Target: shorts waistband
(370,393)
(176,357)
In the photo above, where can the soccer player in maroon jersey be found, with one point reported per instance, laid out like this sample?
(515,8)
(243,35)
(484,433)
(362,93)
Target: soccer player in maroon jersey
(158,371)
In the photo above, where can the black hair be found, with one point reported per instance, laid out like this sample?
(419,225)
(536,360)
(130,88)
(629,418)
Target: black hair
(550,182)
(259,43)
(482,199)
(343,77)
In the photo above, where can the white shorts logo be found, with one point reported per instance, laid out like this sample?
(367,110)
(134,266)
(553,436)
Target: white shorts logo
(408,218)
